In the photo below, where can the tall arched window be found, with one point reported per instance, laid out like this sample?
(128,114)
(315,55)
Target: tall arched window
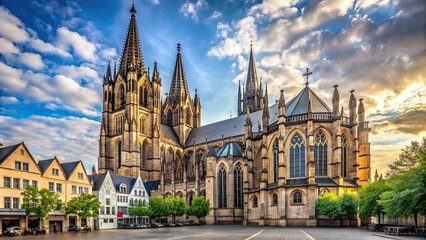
(344,156)
(122,96)
(274,199)
(222,187)
(169,118)
(238,186)
(179,171)
(131,202)
(123,188)
(145,97)
(320,154)
(188,116)
(255,202)
(201,165)
(119,153)
(297,197)
(142,125)
(276,161)
(297,156)
(140,96)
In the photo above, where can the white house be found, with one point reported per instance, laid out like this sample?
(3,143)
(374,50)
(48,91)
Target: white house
(105,191)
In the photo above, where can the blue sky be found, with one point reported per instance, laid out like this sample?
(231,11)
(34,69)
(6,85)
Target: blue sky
(53,55)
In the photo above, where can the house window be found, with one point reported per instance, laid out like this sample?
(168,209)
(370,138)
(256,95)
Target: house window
(107,201)
(86,190)
(74,189)
(143,194)
(15,202)
(80,176)
(108,210)
(111,220)
(320,154)
(51,186)
(344,155)
(222,187)
(7,202)
(16,183)
(6,182)
(255,202)
(25,183)
(276,161)
(18,165)
(80,190)
(297,157)
(131,202)
(123,188)
(297,197)
(113,211)
(102,210)
(25,167)
(238,187)
(55,171)
(274,199)
(59,187)
(105,220)
(35,183)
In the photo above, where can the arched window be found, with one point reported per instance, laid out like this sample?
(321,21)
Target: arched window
(169,118)
(179,171)
(188,116)
(122,96)
(145,97)
(144,203)
(140,193)
(297,156)
(201,165)
(222,187)
(142,125)
(131,202)
(238,186)
(123,188)
(102,210)
(297,197)
(119,153)
(255,202)
(143,194)
(344,156)
(320,154)
(143,154)
(113,210)
(274,199)
(140,96)
(276,161)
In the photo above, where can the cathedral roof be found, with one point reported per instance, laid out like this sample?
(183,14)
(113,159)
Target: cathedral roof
(299,104)
(168,133)
(252,80)
(132,54)
(230,149)
(178,85)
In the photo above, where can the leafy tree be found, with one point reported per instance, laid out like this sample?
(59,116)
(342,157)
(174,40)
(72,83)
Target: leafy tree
(176,205)
(407,195)
(328,205)
(408,158)
(369,195)
(140,211)
(158,207)
(40,202)
(85,205)
(200,207)
(348,205)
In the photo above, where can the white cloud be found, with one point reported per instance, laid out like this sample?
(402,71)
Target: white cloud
(274,9)
(216,15)
(155,2)
(44,47)
(86,75)
(270,61)
(32,60)
(227,47)
(7,47)
(191,9)
(11,27)
(223,30)
(11,79)
(8,100)
(109,53)
(81,46)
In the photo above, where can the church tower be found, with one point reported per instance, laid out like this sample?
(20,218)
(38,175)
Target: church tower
(130,116)
(180,111)
(252,96)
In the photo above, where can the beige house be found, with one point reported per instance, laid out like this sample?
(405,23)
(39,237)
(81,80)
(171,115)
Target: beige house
(18,169)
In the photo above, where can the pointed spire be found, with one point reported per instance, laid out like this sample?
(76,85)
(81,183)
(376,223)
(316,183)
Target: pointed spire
(265,103)
(196,98)
(108,76)
(178,85)
(335,101)
(239,98)
(361,111)
(281,102)
(156,74)
(342,113)
(376,176)
(352,108)
(115,70)
(94,170)
(252,82)
(132,53)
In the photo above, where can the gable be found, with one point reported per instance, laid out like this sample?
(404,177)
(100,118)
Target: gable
(17,153)
(55,165)
(78,170)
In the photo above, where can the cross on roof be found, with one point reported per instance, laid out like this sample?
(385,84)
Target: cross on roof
(306,75)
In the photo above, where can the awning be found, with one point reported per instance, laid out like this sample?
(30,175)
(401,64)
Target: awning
(11,212)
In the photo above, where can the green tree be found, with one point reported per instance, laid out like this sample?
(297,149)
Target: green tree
(176,205)
(369,195)
(85,205)
(40,202)
(408,158)
(140,211)
(348,205)
(200,207)
(158,207)
(407,194)
(328,205)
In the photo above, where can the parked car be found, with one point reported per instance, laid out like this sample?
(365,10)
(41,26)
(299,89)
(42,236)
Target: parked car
(127,226)
(86,229)
(179,224)
(140,225)
(13,231)
(157,225)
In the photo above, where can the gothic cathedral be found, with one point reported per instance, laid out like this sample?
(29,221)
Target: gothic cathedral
(271,174)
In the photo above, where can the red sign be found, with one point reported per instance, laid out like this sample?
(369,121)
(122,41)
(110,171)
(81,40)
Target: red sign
(120,214)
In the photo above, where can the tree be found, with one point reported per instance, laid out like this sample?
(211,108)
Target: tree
(158,207)
(328,205)
(369,195)
(348,205)
(85,205)
(40,202)
(408,158)
(407,194)
(140,211)
(176,205)
(200,207)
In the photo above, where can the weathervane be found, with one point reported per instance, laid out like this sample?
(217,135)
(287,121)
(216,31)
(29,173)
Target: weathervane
(306,75)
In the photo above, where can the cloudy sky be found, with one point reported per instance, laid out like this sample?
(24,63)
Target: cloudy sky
(53,55)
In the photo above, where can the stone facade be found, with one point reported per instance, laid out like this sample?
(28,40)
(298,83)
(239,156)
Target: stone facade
(267,166)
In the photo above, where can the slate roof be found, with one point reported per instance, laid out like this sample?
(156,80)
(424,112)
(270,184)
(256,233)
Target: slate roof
(236,126)
(349,182)
(325,182)
(6,151)
(44,164)
(97,180)
(168,133)
(211,152)
(151,185)
(231,148)
(117,180)
(69,167)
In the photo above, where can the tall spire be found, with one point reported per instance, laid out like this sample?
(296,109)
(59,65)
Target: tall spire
(252,83)
(108,77)
(265,103)
(132,54)
(155,74)
(178,85)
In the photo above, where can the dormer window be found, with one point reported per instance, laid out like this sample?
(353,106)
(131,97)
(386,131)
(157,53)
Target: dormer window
(80,175)
(123,188)
(55,171)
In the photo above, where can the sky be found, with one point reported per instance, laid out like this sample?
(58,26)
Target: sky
(53,55)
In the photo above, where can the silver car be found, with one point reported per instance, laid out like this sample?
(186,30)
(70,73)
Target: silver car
(13,231)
